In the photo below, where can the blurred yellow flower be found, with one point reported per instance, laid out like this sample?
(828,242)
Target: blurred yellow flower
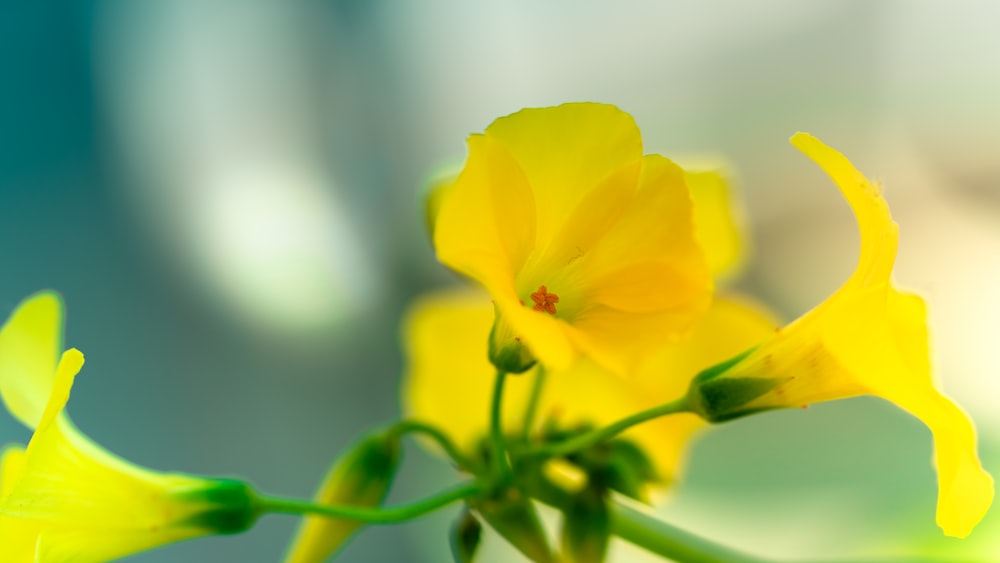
(63,497)
(868,338)
(586,246)
(447,381)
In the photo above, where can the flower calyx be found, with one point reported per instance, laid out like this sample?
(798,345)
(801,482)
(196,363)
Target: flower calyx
(506,351)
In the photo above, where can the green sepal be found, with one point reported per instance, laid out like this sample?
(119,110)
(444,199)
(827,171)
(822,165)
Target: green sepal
(465,535)
(720,368)
(586,527)
(629,470)
(506,351)
(722,399)
(230,506)
(514,517)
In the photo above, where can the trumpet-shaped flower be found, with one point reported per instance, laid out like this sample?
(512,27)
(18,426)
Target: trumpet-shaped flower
(586,246)
(447,382)
(868,338)
(64,498)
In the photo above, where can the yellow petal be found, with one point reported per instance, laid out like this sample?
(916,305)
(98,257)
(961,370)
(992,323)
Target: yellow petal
(30,343)
(621,341)
(556,264)
(69,366)
(879,233)
(880,337)
(566,151)
(485,224)
(719,223)
(657,224)
(17,537)
(435,191)
(646,280)
(11,466)
(648,286)
(89,546)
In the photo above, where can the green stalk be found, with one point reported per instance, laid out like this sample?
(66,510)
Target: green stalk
(644,530)
(582,441)
(390,515)
(531,410)
(498,446)
(434,433)
(668,541)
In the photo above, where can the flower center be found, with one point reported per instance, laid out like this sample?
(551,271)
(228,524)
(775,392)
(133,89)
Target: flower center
(544,301)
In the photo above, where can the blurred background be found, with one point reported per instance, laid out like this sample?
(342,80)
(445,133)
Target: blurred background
(228,196)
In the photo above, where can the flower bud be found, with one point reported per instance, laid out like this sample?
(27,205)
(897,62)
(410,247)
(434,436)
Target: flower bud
(361,477)
(507,352)
(465,536)
(717,398)
(229,506)
(586,528)
(515,518)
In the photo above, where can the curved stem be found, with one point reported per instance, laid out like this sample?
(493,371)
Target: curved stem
(633,523)
(434,433)
(498,447)
(596,436)
(372,515)
(648,532)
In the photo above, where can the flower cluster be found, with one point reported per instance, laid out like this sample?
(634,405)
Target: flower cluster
(598,265)
(601,340)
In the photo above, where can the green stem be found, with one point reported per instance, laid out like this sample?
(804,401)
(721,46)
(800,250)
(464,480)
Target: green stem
(532,408)
(670,542)
(434,433)
(372,515)
(498,446)
(582,441)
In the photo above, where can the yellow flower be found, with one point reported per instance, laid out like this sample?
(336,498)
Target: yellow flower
(447,381)
(585,245)
(868,338)
(65,498)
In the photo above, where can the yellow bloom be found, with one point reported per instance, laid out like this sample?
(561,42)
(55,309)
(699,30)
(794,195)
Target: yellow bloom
(447,382)
(585,245)
(65,498)
(718,224)
(868,338)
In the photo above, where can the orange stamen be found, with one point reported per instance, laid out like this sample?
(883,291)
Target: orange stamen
(544,301)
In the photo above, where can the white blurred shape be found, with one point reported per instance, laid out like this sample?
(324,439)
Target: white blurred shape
(220,124)
(276,243)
